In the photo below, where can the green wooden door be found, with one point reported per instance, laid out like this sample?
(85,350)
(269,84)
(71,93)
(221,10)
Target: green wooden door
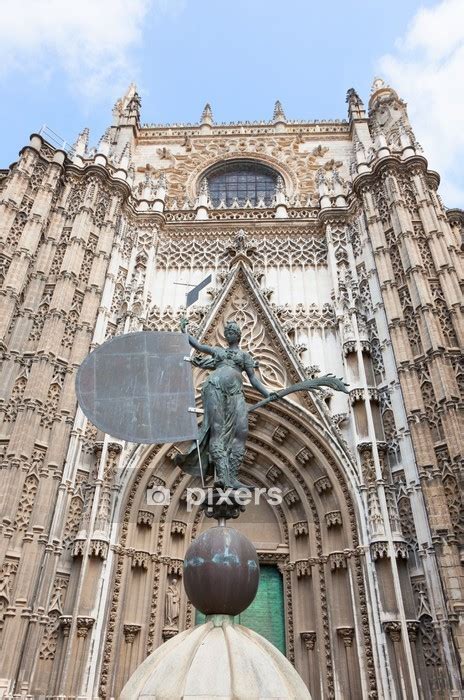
(266,613)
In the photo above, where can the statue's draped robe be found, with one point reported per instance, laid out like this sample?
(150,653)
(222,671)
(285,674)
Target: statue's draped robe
(224,403)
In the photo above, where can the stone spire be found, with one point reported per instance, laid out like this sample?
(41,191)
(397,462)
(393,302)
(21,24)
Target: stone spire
(203,201)
(207,115)
(127,109)
(279,114)
(388,115)
(105,143)
(122,102)
(129,94)
(355,105)
(81,144)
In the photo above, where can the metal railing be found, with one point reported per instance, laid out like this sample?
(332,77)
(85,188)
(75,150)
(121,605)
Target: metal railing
(55,140)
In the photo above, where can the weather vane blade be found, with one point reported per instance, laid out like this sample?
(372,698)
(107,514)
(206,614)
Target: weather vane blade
(194,293)
(328,380)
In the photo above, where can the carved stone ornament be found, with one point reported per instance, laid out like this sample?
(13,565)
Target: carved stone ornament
(413,629)
(273,474)
(145,518)
(84,625)
(337,560)
(308,639)
(393,629)
(333,518)
(347,634)
(130,632)
(303,568)
(323,484)
(300,528)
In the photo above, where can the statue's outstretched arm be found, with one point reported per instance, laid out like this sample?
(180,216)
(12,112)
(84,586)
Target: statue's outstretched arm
(255,382)
(193,341)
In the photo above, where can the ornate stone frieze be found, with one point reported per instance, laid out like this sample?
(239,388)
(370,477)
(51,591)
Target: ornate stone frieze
(217,251)
(305,317)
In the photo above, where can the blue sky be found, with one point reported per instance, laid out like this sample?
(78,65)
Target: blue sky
(66,63)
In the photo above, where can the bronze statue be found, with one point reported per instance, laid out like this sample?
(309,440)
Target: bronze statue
(224,430)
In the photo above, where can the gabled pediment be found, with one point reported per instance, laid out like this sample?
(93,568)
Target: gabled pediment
(241,299)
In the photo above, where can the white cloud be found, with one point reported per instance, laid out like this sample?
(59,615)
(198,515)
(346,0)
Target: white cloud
(427,70)
(90,40)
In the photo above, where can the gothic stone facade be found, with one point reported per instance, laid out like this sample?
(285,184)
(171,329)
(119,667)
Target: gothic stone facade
(351,267)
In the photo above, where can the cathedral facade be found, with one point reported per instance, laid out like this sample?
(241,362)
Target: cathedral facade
(328,243)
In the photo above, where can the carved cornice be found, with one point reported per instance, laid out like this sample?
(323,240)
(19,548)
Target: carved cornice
(338,216)
(321,127)
(392,162)
(103,173)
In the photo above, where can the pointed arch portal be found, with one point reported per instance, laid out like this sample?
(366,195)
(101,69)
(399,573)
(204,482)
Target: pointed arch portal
(310,539)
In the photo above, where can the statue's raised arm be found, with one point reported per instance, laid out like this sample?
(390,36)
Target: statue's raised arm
(193,341)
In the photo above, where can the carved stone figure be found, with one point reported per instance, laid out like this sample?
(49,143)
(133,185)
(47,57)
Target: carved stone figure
(5,586)
(172,603)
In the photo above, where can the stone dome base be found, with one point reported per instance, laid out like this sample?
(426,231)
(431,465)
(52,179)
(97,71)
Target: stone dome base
(218,660)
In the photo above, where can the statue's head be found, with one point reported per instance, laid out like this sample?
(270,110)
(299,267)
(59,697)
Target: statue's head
(232,332)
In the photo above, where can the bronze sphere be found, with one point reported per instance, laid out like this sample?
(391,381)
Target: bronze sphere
(221,572)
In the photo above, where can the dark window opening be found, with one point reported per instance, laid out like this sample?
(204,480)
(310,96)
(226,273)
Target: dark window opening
(240,182)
